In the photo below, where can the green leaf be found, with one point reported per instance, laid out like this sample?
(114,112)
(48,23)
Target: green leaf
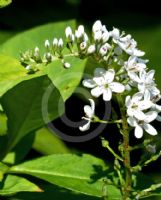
(48,143)
(30,105)
(4,3)
(20,150)
(34,37)
(80,173)
(3,124)
(12,73)
(13,184)
(3,169)
(66,80)
(51,192)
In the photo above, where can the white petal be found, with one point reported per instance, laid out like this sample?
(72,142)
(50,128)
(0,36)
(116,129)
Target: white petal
(133,76)
(85,127)
(97,91)
(92,105)
(89,83)
(117,87)
(107,94)
(137,97)
(128,101)
(99,80)
(109,75)
(158,108)
(139,115)
(138,53)
(99,71)
(147,95)
(150,116)
(88,111)
(130,112)
(150,129)
(158,118)
(143,105)
(132,121)
(150,74)
(138,132)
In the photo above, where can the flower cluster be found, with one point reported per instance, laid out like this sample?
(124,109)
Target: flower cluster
(121,71)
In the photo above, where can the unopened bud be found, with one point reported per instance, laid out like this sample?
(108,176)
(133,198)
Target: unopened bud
(97,26)
(47,43)
(36,50)
(55,42)
(97,36)
(67,65)
(60,43)
(91,49)
(28,67)
(68,32)
(105,36)
(81,29)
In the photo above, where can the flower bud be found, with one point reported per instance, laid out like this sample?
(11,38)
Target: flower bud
(68,32)
(81,29)
(47,44)
(97,26)
(67,65)
(28,67)
(91,49)
(105,36)
(60,43)
(55,42)
(36,50)
(97,36)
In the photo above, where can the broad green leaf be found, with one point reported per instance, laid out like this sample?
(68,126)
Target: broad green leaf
(51,192)
(3,124)
(34,37)
(12,73)
(3,169)
(20,150)
(13,184)
(48,143)
(4,3)
(4,35)
(80,173)
(30,105)
(66,80)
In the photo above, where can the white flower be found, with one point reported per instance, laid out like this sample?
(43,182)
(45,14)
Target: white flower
(89,112)
(135,64)
(81,29)
(140,126)
(146,83)
(103,84)
(136,105)
(126,43)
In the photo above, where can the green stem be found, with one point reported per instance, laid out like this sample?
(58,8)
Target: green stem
(126,150)
(105,144)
